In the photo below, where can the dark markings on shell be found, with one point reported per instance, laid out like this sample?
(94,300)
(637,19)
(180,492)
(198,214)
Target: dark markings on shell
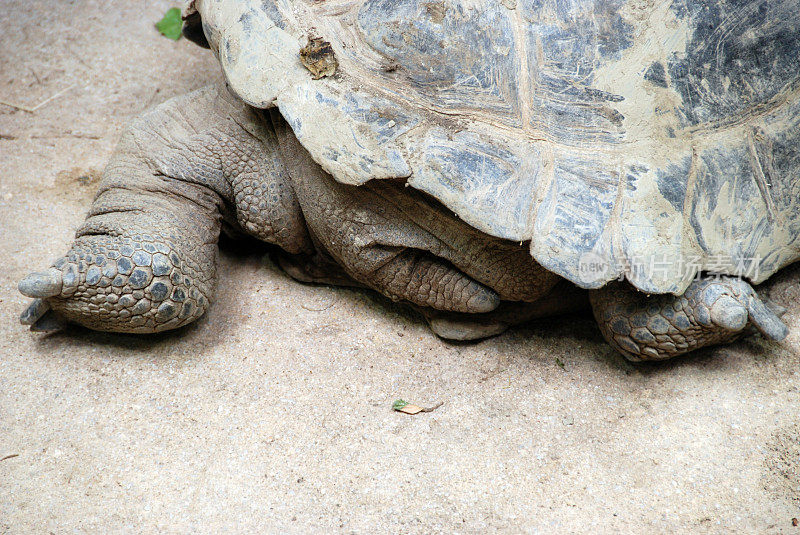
(318,57)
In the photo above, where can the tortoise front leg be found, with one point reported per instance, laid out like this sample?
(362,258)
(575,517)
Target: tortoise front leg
(145,259)
(713,310)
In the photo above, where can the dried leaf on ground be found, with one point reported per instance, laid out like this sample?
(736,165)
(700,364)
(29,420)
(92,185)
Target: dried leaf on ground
(404,406)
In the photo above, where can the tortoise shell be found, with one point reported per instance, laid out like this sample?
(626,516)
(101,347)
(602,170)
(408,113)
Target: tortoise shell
(643,139)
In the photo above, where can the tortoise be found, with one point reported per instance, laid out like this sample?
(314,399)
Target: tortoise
(485,162)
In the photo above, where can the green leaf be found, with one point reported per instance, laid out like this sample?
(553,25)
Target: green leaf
(399,404)
(560,363)
(170,25)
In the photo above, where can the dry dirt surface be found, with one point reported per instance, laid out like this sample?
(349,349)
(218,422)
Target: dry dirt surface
(273,413)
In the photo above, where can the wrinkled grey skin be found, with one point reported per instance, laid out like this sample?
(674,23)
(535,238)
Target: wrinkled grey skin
(145,259)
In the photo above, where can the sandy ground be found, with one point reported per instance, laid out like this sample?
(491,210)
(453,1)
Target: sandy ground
(274,411)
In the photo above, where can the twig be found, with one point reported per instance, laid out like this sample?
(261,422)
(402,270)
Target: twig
(431,409)
(316,309)
(76,56)
(38,80)
(494,373)
(9,456)
(42,103)
(64,136)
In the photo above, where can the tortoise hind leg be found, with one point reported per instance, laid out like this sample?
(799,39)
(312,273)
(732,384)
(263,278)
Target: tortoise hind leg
(713,310)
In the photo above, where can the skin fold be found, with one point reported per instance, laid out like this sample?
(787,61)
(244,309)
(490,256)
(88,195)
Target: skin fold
(145,260)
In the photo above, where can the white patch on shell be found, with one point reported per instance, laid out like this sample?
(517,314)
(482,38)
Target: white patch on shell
(262,64)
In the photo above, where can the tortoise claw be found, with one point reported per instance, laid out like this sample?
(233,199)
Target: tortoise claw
(41,318)
(776,308)
(42,284)
(48,323)
(729,314)
(766,319)
(36,309)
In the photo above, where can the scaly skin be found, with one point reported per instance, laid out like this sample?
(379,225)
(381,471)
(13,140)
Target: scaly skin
(145,259)
(713,310)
